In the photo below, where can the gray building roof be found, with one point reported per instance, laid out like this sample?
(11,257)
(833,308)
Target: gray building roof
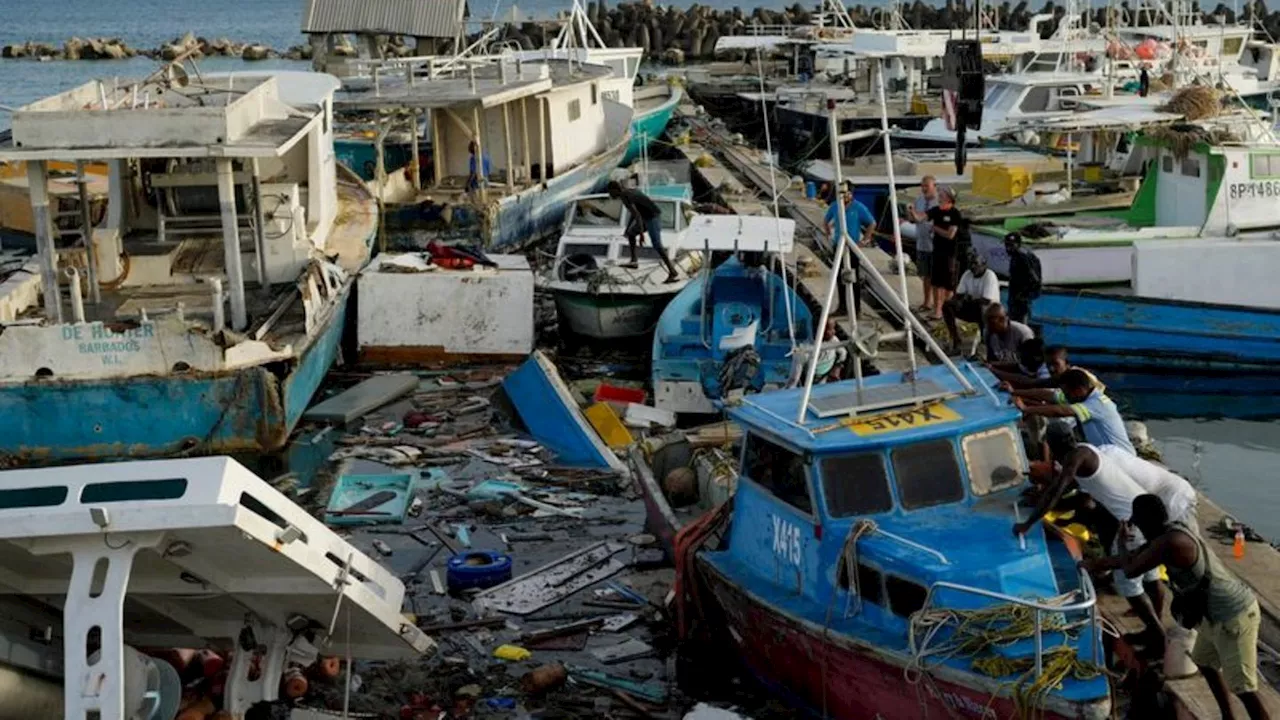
(417,18)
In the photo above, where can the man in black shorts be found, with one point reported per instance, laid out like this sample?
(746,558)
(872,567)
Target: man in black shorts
(946,221)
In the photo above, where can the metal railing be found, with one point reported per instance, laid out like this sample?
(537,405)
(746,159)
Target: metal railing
(1089,603)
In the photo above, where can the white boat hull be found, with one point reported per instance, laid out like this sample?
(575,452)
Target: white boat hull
(609,316)
(1066,265)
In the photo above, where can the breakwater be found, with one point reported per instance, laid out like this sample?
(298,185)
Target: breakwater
(668,34)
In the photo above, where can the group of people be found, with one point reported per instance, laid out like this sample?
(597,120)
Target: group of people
(1148,511)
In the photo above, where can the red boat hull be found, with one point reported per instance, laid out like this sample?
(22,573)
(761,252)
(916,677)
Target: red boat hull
(839,678)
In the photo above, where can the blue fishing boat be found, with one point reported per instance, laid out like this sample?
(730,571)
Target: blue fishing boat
(1108,331)
(735,324)
(866,568)
(200,316)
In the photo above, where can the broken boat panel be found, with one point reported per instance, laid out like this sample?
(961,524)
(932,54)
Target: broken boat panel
(412,312)
(547,408)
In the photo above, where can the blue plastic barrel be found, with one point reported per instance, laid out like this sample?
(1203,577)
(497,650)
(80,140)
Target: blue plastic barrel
(811,189)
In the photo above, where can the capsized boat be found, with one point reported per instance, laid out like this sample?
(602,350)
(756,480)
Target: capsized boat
(204,310)
(866,561)
(597,295)
(734,327)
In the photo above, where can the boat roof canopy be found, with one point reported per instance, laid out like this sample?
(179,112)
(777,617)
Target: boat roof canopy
(941,408)
(741,233)
(434,83)
(182,116)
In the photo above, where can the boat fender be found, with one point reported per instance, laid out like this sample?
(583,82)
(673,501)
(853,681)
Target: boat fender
(480,569)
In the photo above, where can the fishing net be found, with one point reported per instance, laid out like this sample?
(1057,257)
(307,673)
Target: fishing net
(1194,102)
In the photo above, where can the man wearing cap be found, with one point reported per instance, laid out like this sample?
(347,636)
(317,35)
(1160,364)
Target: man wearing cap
(1024,277)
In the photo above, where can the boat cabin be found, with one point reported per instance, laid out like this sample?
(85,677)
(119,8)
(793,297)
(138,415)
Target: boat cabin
(530,122)
(595,228)
(888,502)
(225,212)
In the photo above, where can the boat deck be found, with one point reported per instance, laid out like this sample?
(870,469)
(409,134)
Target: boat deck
(195,259)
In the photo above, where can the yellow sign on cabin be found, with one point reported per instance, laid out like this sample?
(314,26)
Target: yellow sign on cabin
(934,414)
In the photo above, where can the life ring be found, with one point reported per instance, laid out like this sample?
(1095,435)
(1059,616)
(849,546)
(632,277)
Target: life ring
(478,569)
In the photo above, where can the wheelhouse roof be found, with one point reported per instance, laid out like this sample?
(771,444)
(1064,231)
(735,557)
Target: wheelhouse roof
(773,414)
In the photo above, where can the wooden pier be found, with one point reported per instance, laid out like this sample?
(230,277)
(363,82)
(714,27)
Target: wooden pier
(744,172)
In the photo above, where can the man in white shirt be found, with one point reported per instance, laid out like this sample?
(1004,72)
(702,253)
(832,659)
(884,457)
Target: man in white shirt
(1094,472)
(978,289)
(1178,495)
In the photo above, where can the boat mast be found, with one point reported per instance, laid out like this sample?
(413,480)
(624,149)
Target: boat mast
(897,298)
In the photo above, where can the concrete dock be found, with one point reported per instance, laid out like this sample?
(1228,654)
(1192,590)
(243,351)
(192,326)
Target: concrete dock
(748,167)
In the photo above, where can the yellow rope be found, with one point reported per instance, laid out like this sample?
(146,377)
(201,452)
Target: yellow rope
(977,633)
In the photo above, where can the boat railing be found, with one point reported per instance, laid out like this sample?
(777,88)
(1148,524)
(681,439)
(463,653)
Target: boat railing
(1088,602)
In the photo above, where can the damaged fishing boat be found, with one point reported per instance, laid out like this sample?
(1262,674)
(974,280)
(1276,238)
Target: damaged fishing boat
(202,313)
(598,293)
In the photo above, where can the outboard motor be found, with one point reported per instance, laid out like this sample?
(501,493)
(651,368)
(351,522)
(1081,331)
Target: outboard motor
(963,89)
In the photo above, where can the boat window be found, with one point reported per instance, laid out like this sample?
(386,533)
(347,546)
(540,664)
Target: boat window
(779,471)
(1036,100)
(927,474)
(905,597)
(993,460)
(1231,46)
(575,110)
(595,94)
(1263,166)
(870,582)
(1166,163)
(856,485)
(670,211)
(599,212)
(1066,98)
(1191,167)
(593,249)
(646,252)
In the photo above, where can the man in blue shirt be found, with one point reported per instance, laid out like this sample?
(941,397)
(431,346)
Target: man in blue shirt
(476,179)
(1094,412)
(856,215)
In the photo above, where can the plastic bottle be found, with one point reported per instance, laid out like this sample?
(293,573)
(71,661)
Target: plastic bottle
(1237,549)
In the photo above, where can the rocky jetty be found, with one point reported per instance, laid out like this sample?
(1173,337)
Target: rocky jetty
(669,34)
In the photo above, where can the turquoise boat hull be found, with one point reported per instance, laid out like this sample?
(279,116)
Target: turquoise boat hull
(251,409)
(650,124)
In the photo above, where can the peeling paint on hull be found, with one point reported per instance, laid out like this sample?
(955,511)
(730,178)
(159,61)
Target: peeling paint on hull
(250,409)
(834,677)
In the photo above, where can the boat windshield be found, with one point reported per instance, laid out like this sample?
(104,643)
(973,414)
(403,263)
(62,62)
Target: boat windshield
(669,210)
(993,460)
(855,484)
(593,249)
(927,474)
(597,212)
(779,471)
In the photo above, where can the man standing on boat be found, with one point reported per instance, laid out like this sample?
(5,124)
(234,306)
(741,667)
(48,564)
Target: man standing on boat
(918,213)
(978,288)
(1024,277)
(1097,416)
(639,205)
(1111,487)
(1207,597)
